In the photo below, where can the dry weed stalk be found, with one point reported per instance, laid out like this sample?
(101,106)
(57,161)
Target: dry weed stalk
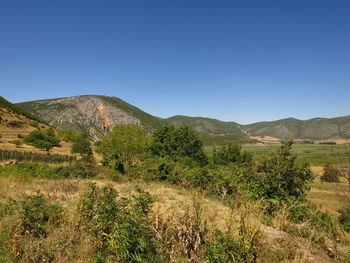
(16,243)
(249,231)
(184,233)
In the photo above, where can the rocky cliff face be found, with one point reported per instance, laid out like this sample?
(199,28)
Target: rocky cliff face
(82,113)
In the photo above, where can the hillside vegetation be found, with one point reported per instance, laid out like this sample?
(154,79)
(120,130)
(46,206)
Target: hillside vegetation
(15,126)
(160,198)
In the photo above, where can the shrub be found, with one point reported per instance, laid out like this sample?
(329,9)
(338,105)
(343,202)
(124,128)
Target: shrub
(121,229)
(34,123)
(330,174)
(79,170)
(42,140)
(15,124)
(82,145)
(344,219)
(16,142)
(226,248)
(223,249)
(177,143)
(231,154)
(36,214)
(36,170)
(280,178)
(318,220)
(43,145)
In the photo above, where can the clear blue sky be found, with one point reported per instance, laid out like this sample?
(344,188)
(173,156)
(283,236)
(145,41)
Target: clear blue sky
(239,60)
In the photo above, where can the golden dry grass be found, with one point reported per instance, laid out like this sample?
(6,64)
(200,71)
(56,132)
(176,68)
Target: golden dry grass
(170,204)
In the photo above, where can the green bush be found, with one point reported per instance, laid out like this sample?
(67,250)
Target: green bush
(37,170)
(223,249)
(16,142)
(280,178)
(34,123)
(231,154)
(227,248)
(7,208)
(42,140)
(35,214)
(330,174)
(15,124)
(43,145)
(177,143)
(344,219)
(318,220)
(121,229)
(78,170)
(82,145)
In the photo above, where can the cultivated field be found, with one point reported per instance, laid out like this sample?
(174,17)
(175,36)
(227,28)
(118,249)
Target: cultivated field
(314,154)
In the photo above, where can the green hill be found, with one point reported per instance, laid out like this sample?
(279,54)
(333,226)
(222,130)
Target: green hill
(317,128)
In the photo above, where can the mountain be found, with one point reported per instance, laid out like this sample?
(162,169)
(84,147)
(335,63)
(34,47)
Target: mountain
(207,126)
(90,113)
(315,129)
(212,131)
(99,114)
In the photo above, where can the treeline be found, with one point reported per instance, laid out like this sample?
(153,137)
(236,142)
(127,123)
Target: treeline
(36,157)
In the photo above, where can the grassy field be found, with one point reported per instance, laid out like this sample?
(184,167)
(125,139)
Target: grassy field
(314,154)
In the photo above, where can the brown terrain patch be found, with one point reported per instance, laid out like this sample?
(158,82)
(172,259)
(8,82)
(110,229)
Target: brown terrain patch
(265,139)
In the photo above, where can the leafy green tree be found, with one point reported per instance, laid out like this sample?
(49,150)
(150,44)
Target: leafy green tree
(280,178)
(43,145)
(231,154)
(82,145)
(178,142)
(42,140)
(124,145)
(330,174)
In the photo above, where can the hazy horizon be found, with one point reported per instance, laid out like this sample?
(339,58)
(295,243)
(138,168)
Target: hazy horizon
(232,61)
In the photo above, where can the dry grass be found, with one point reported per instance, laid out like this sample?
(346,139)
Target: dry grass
(171,205)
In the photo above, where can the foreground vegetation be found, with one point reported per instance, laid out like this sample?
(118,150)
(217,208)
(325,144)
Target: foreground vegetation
(161,198)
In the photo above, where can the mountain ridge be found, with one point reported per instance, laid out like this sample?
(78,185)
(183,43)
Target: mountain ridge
(97,114)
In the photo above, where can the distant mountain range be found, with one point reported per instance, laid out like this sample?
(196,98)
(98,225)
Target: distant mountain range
(99,114)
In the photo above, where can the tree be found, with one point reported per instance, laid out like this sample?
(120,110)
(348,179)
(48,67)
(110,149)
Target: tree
(82,145)
(280,178)
(41,144)
(178,142)
(231,154)
(124,145)
(42,140)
